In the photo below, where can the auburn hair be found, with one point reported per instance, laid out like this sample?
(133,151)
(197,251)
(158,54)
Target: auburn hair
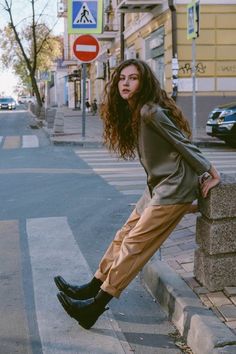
(121,125)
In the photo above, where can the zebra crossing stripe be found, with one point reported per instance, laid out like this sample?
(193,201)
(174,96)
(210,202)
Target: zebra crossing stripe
(115,163)
(127,183)
(132,192)
(30,141)
(53,250)
(12,142)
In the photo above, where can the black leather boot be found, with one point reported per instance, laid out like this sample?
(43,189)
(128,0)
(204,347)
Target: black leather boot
(86,312)
(82,292)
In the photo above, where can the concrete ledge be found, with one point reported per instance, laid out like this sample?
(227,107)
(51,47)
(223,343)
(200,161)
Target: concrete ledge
(215,272)
(202,330)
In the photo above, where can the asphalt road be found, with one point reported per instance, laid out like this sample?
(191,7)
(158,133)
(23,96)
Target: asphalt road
(57,216)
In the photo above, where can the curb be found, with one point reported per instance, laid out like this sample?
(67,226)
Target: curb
(60,139)
(203,331)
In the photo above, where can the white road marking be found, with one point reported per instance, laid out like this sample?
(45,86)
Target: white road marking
(53,251)
(30,141)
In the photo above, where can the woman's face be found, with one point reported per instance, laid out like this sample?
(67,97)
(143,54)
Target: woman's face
(129,82)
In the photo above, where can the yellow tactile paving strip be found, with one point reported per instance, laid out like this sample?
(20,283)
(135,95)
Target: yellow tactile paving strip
(12,142)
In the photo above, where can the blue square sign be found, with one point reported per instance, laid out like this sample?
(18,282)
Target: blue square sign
(85,16)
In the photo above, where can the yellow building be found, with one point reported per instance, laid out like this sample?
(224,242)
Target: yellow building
(156,31)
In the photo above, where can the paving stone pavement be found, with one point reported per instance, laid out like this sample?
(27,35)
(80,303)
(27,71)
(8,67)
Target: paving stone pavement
(178,250)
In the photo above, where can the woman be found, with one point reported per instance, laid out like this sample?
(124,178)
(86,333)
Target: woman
(139,117)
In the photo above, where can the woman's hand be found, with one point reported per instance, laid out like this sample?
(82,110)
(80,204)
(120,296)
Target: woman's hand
(208,182)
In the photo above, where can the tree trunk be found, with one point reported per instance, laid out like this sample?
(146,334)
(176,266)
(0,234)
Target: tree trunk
(36,91)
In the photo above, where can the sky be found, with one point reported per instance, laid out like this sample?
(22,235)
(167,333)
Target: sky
(7,83)
(7,79)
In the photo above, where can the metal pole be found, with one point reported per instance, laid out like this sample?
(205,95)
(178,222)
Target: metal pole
(84,73)
(75,94)
(194,88)
(122,28)
(46,96)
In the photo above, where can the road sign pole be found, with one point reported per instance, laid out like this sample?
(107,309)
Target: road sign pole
(46,96)
(86,49)
(84,74)
(193,11)
(194,88)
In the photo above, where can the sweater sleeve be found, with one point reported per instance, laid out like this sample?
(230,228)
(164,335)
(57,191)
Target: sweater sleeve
(155,117)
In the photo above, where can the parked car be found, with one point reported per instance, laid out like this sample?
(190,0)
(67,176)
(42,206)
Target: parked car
(26,99)
(7,103)
(222,123)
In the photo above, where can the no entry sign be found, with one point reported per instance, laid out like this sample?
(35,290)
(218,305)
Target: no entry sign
(86,48)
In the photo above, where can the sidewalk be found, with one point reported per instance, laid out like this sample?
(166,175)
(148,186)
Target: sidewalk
(93,131)
(207,320)
(73,129)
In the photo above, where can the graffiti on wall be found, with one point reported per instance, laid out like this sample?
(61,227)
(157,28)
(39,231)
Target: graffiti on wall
(187,68)
(227,68)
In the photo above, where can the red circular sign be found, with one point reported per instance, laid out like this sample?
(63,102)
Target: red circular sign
(86,48)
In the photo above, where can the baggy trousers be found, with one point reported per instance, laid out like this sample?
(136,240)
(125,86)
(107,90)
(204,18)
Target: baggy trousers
(135,243)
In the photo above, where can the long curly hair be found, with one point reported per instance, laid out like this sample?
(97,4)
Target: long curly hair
(121,125)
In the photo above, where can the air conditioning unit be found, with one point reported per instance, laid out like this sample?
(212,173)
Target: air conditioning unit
(60,7)
(112,62)
(100,70)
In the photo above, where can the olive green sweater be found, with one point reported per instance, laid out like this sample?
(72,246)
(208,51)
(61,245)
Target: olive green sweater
(172,163)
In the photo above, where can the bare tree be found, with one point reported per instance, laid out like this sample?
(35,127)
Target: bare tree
(30,54)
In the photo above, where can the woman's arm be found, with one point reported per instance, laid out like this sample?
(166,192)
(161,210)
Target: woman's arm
(210,181)
(155,117)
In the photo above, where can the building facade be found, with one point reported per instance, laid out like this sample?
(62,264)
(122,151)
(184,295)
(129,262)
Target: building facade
(156,31)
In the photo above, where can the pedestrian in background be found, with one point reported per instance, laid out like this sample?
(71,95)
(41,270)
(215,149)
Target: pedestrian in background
(87,105)
(139,117)
(94,107)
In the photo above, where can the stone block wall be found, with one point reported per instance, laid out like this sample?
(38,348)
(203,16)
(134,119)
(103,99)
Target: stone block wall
(215,258)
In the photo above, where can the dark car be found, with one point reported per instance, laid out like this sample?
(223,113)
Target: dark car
(222,123)
(7,103)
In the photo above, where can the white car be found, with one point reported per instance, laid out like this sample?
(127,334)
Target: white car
(26,99)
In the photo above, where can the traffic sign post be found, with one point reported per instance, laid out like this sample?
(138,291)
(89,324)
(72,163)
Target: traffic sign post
(46,77)
(193,20)
(86,49)
(85,16)
(193,11)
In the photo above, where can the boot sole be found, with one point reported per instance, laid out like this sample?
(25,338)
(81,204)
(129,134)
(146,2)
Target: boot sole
(85,324)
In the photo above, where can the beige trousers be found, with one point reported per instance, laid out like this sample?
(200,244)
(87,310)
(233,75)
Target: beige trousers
(135,243)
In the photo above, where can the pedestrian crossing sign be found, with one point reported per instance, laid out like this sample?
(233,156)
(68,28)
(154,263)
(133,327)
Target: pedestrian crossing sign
(85,17)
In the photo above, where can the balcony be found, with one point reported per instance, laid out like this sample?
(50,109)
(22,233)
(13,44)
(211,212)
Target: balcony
(111,26)
(61,8)
(109,32)
(138,5)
